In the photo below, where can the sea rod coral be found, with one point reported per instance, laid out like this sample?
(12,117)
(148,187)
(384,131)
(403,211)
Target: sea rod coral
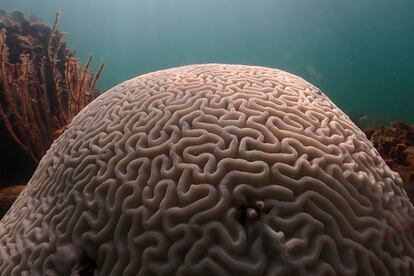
(42,84)
(214,170)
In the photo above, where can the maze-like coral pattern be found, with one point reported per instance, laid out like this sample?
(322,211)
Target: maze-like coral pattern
(155,177)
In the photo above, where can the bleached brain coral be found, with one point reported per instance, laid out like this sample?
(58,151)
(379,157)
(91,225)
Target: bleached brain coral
(211,169)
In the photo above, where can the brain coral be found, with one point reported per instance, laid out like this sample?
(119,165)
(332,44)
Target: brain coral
(211,169)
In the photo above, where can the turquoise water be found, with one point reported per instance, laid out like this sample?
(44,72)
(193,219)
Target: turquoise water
(359,52)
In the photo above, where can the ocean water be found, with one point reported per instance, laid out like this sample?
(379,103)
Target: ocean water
(359,52)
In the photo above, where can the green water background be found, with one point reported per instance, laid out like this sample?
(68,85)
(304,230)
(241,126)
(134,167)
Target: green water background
(359,52)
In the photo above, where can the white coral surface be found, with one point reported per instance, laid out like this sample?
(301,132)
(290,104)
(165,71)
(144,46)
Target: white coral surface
(161,174)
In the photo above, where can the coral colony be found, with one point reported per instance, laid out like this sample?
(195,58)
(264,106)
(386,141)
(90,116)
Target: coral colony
(42,84)
(211,169)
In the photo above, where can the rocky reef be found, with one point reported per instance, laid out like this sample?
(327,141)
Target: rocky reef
(395,143)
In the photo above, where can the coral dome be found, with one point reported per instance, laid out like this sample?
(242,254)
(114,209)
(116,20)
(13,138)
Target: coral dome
(211,169)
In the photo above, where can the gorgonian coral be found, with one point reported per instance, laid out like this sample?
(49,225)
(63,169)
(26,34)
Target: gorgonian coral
(211,169)
(42,86)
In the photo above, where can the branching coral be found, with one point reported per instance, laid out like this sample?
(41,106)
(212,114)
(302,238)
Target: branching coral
(42,91)
(211,170)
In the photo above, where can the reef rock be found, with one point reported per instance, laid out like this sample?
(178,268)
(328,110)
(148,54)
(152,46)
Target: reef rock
(395,144)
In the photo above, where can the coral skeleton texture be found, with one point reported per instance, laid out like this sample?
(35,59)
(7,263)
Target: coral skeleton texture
(211,170)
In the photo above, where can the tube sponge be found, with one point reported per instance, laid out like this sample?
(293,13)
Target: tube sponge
(211,169)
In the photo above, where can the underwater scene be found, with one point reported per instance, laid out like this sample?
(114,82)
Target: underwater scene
(215,137)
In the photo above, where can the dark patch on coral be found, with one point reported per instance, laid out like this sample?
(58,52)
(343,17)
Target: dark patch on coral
(87,266)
